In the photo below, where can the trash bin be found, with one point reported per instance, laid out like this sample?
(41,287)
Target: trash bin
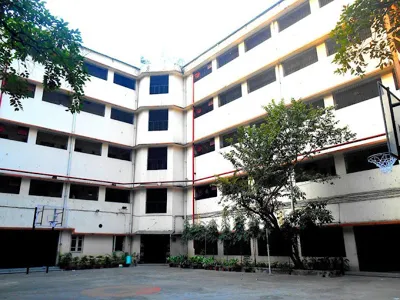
(128,260)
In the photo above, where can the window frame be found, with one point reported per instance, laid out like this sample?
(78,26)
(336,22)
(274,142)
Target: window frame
(230,95)
(99,108)
(124,81)
(51,136)
(119,155)
(202,72)
(115,237)
(257,38)
(157,88)
(198,147)
(14,132)
(57,98)
(159,124)
(223,143)
(228,56)
(207,193)
(157,203)
(113,193)
(79,239)
(99,144)
(123,114)
(154,164)
(37,187)
(289,15)
(261,80)
(198,109)
(92,68)
(297,64)
(88,198)
(10,181)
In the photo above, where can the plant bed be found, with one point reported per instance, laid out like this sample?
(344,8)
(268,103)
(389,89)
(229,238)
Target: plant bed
(321,273)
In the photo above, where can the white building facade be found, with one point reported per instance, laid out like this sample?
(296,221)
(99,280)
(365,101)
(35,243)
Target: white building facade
(140,157)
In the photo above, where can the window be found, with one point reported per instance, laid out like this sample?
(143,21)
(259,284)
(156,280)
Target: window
(119,153)
(88,147)
(357,93)
(10,184)
(31,90)
(120,115)
(230,95)
(118,242)
(76,243)
(117,195)
(316,103)
(300,61)
(331,46)
(323,242)
(45,188)
(228,56)
(205,191)
(84,192)
(228,139)
(357,160)
(157,158)
(204,147)
(322,3)
(158,120)
(124,81)
(93,108)
(52,140)
(159,84)
(313,167)
(261,80)
(156,201)
(14,132)
(239,248)
(294,16)
(204,247)
(57,98)
(202,72)
(278,246)
(203,108)
(96,71)
(257,38)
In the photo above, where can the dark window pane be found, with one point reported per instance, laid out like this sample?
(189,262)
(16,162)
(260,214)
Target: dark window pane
(228,56)
(239,248)
(117,195)
(125,81)
(119,153)
(323,242)
(294,16)
(205,191)
(257,38)
(261,80)
(313,167)
(159,84)
(96,71)
(57,98)
(119,243)
(324,2)
(203,108)
(76,243)
(52,140)
(230,95)
(45,188)
(316,103)
(123,116)
(88,147)
(357,160)
(93,108)
(228,139)
(156,201)
(204,147)
(204,247)
(10,184)
(31,90)
(202,72)
(356,93)
(278,246)
(158,120)
(157,158)
(14,132)
(300,61)
(331,46)
(84,192)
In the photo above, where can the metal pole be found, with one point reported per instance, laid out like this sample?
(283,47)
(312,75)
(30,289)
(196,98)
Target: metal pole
(33,228)
(269,259)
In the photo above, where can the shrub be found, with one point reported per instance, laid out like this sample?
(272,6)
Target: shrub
(65,260)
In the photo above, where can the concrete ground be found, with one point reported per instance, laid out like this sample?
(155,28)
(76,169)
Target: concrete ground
(162,282)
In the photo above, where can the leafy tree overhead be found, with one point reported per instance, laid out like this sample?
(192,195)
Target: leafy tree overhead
(383,17)
(269,154)
(30,34)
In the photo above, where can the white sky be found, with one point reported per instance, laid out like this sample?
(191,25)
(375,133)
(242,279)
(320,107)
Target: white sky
(128,29)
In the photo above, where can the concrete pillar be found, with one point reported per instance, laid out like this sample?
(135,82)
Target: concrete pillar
(388,81)
(340,164)
(104,150)
(321,51)
(244,89)
(102,194)
(190,250)
(350,247)
(32,134)
(214,65)
(107,112)
(328,101)
(274,28)
(24,189)
(220,249)
(314,6)
(215,102)
(110,76)
(241,49)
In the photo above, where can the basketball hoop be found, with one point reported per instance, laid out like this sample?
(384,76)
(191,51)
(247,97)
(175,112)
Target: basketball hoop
(384,161)
(53,224)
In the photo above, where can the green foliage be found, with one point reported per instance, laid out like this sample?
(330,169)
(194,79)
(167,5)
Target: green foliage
(30,34)
(326,263)
(355,20)
(268,155)
(65,260)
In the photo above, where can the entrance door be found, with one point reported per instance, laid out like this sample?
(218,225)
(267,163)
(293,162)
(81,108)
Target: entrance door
(155,248)
(378,247)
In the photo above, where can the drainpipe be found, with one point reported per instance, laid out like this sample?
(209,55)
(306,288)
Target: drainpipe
(193,172)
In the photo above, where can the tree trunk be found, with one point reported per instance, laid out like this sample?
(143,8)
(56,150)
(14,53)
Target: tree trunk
(294,255)
(396,62)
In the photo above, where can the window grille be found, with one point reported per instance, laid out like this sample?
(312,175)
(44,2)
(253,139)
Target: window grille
(300,61)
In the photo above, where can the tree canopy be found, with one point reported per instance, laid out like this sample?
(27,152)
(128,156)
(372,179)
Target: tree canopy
(268,156)
(383,17)
(29,34)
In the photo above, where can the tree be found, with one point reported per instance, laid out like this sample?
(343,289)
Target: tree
(268,154)
(383,17)
(30,34)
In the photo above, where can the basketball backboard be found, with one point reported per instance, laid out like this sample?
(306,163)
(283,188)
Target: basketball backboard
(49,216)
(391,115)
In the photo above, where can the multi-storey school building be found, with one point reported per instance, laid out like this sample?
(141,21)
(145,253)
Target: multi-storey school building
(140,156)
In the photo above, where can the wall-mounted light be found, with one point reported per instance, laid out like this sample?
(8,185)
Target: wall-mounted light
(97,211)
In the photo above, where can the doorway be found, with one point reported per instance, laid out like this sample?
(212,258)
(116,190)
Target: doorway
(155,248)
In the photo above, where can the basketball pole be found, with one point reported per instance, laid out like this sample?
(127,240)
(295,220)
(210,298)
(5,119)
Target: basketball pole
(30,239)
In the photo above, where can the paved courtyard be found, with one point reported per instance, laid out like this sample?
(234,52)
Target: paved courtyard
(159,282)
